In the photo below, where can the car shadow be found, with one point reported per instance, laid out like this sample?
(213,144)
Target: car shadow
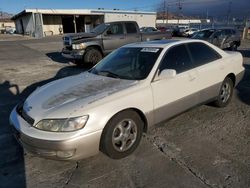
(245,52)
(12,166)
(243,87)
(12,171)
(57,57)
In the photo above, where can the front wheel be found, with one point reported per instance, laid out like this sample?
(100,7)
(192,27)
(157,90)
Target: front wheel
(233,47)
(92,56)
(226,93)
(122,134)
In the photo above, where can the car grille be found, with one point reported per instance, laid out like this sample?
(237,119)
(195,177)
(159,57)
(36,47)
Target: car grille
(24,115)
(67,41)
(69,47)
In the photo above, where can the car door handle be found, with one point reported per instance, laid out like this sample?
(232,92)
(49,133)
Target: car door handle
(192,79)
(107,38)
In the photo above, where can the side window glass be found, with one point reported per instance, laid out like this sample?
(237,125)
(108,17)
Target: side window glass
(176,58)
(130,27)
(202,54)
(115,29)
(218,34)
(228,32)
(153,29)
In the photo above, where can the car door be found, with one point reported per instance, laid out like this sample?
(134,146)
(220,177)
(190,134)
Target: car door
(210,69)
(114,37)
(132,34)
(174,95)
(219,38)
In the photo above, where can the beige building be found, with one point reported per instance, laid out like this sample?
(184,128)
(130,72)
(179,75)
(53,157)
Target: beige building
(44,22)
(6,24)
(182,21)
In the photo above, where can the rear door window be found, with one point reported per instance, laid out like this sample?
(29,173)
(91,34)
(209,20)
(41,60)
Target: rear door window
(202,53)
(130,27)
(228,32)
(177,58)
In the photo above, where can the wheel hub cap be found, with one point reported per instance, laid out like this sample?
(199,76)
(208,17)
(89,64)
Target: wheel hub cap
(124,135)
(225,92)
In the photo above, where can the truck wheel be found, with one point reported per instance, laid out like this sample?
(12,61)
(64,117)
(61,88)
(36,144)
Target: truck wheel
(122,134)
(78,62)
(92,55)
(226,93)
(234,46)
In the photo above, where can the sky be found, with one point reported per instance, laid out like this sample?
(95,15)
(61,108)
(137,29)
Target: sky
(191,7)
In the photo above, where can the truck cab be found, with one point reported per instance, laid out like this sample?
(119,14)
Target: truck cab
(92,47)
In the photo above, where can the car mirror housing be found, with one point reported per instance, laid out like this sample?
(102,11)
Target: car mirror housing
(167,73)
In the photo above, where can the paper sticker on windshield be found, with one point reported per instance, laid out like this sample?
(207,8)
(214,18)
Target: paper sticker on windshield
(153,50)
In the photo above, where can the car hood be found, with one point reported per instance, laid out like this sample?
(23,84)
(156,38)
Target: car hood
(72,92)
(78,36)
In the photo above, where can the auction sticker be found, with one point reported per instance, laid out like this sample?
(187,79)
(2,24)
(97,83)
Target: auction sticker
(153,50)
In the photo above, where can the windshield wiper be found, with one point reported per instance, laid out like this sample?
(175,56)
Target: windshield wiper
(108,73)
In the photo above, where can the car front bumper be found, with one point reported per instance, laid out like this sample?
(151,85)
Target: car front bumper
(72,54)
(73,147)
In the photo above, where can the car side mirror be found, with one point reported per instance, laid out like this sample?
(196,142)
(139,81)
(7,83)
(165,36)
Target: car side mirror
(109,32)
(167,73)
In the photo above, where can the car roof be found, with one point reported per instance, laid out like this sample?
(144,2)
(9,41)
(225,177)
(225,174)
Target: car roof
(219,28)
(161,43)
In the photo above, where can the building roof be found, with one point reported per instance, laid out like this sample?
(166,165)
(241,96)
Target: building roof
(78,12)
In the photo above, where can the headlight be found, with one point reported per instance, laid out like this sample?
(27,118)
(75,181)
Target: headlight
(78,46)
(62,125)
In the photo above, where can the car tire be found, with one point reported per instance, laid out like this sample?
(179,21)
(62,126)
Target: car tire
(92,55)
(234,47)
(122,134)
(78,62)
(225,94)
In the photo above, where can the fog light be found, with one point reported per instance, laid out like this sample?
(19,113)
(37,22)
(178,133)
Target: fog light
(65,154)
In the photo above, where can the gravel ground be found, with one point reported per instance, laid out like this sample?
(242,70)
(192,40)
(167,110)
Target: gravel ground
(204,147)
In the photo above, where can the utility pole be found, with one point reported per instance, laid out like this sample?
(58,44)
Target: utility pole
(167,12)
(229,11)
(164,11)
(179,10)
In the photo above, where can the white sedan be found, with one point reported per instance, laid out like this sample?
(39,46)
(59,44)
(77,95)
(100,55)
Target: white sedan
(110,106)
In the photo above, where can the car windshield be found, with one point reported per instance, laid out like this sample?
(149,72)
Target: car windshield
(100,28)
(128,63)
(205,34)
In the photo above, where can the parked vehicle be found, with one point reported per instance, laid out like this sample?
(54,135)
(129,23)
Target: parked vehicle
(166,29)
(92,47)
(148,29)
(10,30)
(109,107)
(179,30)
(224,38)
(189,32)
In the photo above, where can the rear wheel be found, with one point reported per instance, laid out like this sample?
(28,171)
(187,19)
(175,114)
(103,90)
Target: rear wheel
(226,92)
(122,134)
(92,55)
